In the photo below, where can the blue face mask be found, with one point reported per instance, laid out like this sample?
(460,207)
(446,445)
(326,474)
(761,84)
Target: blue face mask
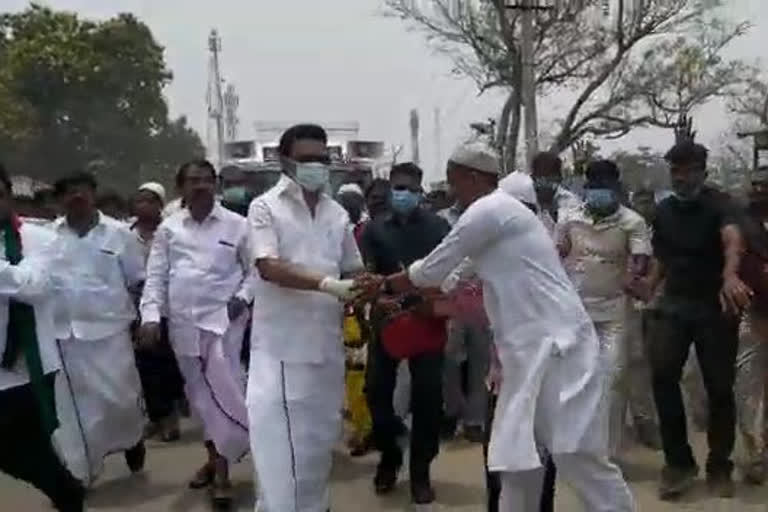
(404,201)
(601,201)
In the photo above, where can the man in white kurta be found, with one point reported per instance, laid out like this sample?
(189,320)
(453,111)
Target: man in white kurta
(551,388)
(97,261)
(27,405)
(197,272)
(302,243)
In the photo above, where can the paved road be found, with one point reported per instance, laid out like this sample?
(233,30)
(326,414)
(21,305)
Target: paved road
(458,479)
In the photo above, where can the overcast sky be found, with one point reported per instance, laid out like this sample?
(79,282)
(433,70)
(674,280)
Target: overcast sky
(340,60)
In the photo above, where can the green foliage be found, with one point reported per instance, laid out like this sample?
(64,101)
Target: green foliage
(74,92)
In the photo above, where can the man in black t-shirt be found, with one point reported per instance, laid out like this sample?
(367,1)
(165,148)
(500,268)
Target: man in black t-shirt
(391,243)
(697,245)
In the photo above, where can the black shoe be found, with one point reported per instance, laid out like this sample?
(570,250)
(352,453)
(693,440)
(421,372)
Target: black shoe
(386,473)
(448,428)
(135,457)
(474,434)
(422,493)
(720,485)
(676,481)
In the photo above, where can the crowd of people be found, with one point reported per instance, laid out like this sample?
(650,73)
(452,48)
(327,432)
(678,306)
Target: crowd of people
(542,324)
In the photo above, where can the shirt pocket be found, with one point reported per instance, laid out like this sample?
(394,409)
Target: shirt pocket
(224,255)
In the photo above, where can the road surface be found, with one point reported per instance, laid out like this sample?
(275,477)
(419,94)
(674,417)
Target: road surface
(458,479)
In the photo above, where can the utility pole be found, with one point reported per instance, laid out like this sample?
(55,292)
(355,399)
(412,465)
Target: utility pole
(215,99)
(528,9)
(231,103)
(438,143)
(415,136)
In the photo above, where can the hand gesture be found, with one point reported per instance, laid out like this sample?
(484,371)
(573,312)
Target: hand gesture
(368,285)
(735,296)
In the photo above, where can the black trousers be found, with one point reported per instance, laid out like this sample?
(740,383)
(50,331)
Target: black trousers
(160,377)
(426,408)
(493,482)
(27,452)
(673,327)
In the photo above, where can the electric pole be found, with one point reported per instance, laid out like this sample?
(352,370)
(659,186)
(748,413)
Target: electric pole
(438,143)
(528,9)
(231,103)
(415,136)
(215,99)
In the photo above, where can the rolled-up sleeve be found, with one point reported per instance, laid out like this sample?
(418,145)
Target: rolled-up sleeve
(351,261)
(262,237)
(156,286)
(639,238)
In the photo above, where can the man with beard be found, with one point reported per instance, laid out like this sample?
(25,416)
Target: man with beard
(698,247)
(197,273)
(551,390)
(97,267)
(30,360)
(160,377)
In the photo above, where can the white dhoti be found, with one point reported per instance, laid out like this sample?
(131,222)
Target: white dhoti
(295,420)
(215,393)
(106,395)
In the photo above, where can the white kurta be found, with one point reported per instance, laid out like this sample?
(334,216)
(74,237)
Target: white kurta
(296,379)
(551,391)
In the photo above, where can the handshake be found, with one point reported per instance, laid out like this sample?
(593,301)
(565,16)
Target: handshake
(363,287)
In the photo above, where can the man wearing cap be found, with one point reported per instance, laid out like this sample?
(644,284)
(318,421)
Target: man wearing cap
(160,377)
(406,234)
(551,388)
(198,272)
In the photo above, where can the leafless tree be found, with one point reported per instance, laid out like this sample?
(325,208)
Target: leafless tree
(650,65)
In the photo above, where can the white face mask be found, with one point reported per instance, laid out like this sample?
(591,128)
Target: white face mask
(312,176)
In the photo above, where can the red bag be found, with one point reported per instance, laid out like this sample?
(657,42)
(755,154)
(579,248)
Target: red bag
(407,335)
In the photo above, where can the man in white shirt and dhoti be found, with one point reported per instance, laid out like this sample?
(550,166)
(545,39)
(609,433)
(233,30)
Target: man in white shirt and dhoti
(98,262)
(197,271)
(551,387)
(302,244)
(29,360)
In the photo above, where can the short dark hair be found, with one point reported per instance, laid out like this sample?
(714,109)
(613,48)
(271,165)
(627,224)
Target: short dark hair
(5,179)
(687,153)
(376,183)
(301,132)
(546,160)
(200,163)
(408,168)
(72,179)
(603,171)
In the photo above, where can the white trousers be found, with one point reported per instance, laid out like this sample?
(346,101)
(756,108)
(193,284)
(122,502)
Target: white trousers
(106,395)
(294,411)
(598,483)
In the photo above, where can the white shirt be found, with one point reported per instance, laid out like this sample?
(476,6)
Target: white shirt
(564,202)
(92,277)
(539,325)
(194,270)
(29,282)
(294,325)
(599,257)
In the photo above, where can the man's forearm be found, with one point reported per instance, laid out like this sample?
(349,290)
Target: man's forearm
(733,250)
(288,275)
(656,273)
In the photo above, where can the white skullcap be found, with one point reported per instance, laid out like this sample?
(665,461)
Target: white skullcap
(520,186)
(156,188)
(351,188)
(477,156)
